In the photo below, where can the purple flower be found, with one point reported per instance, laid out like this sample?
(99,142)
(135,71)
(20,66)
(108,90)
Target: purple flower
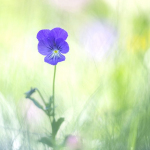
(52,44)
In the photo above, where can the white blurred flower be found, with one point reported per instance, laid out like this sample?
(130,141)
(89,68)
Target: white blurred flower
(70,5)
(99,39)
(130,6)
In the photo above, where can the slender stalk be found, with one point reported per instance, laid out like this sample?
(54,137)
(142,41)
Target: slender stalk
(54,106)
(50,119)
(54,93)
(41,96)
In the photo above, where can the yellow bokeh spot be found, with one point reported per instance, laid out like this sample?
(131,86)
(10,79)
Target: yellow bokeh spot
(139,43)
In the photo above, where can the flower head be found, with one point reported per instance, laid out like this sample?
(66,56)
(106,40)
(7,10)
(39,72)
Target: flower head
(52,44)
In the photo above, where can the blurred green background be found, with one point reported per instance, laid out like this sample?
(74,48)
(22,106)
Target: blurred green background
(103,87)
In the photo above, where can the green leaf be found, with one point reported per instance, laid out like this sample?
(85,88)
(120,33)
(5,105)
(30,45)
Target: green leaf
(48,107)
(36,103)
(56,125)
(29,93)
(48,112)
(47,140)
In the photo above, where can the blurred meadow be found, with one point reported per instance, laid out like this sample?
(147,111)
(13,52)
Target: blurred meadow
(103,86)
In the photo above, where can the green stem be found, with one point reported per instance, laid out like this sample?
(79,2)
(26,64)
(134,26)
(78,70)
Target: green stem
(41,96)
(50,119)
(54,93)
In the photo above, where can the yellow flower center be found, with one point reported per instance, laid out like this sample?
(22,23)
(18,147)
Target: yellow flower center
(56,51)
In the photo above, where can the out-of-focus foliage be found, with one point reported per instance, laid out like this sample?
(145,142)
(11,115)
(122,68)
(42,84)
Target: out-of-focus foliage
(102,89)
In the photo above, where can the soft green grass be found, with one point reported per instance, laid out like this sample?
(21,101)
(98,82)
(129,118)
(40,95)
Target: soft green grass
(104,102)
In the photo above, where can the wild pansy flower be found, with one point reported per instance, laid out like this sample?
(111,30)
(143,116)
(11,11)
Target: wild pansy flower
(52,44)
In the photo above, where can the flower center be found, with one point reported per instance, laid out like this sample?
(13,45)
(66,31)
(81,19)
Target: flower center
(55,54)
(55,51)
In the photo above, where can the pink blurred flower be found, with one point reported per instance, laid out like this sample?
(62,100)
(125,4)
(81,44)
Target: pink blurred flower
(73,142)
(33,114)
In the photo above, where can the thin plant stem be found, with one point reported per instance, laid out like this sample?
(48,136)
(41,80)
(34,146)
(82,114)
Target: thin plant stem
(41,96)
(50,119)
(54,93)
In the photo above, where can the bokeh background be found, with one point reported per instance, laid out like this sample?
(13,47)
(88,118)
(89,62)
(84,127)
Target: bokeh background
(103,87)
